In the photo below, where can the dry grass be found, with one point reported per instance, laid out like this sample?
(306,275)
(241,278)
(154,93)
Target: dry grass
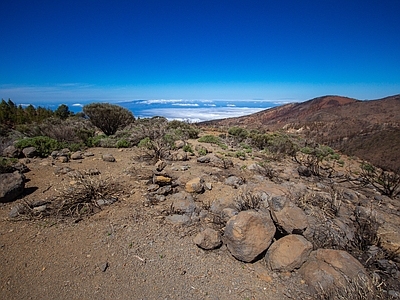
(83,196)
(355,289)
(86,195)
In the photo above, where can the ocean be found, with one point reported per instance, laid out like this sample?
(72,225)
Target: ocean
(183,110)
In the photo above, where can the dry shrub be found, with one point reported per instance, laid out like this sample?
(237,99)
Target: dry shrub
(353,288)
(86,195)
(248,200)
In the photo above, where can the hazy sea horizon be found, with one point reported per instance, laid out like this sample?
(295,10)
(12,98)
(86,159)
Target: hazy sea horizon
(179,109)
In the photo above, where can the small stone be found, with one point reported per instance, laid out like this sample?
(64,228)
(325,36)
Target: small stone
(179,144)
(234,181)
(160,165)
(203,159)
(208,239)
(162,180)
(164,190)
(178,219)
(29,152)
(76,155)
(153,187)
(108,158)
(62,159)
(195,185)
(16,211)
(304,171)
(104,266)
(40,208)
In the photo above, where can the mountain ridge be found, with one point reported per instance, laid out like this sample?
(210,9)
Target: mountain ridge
(368,129)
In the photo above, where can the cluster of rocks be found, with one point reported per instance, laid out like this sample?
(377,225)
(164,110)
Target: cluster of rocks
(275,229)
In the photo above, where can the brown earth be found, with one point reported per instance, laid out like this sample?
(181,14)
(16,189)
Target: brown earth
(129,250)
(147,258)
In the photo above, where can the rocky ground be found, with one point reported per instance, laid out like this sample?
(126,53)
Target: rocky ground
(142,246)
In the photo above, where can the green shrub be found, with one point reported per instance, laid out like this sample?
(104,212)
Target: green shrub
(240,154)
(259,140)
(85,135)
(108,117)
(202,151)
(188,148)
(43,144)
(210,139)
(73,147)
(95,141)
(313,156)
(122,143)
(239,133)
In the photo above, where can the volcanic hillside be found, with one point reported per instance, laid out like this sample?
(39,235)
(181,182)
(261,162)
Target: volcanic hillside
(369,129)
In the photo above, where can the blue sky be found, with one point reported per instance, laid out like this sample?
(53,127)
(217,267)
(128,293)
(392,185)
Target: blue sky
(122,50)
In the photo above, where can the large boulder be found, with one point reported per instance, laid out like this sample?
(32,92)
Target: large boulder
(11,186)
(208,239)
(289,218)
(328,269)
(288,253)
(248,234)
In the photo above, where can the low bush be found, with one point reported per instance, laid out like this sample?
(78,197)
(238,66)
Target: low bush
(212,139)
(122,143)
(43,144)
(188,148)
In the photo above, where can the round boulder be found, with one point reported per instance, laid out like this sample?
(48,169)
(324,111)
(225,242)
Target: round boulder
(288,253)
(248,234)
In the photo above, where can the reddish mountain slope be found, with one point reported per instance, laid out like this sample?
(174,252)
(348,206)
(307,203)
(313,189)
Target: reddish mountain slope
(367,129)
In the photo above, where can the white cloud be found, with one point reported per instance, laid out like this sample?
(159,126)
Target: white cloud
(200,114)
(185,104)
(161,101)
(77,104)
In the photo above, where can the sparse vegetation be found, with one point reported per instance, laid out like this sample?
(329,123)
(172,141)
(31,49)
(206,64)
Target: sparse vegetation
(386,182)
(212,139)
(319,159)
